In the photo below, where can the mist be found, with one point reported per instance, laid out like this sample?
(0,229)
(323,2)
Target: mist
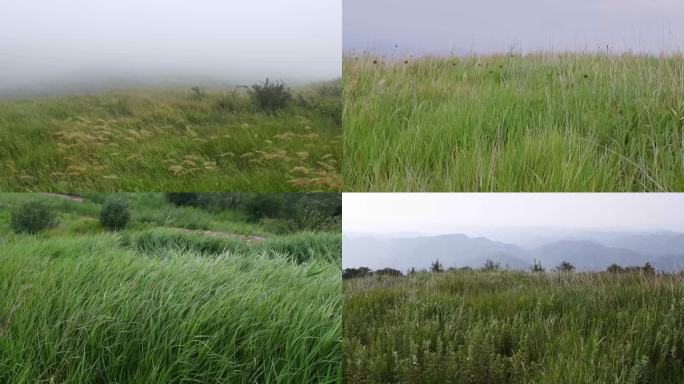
(492,26)
(67,45)
(590,230)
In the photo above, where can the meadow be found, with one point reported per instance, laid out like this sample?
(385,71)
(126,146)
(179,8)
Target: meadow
(471,326)
(165,300)
(161,139)
(510,122)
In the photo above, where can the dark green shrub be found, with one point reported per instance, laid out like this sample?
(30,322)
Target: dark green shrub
(32,217)
(114,214)
(270,97)
(182,198)
(262,205)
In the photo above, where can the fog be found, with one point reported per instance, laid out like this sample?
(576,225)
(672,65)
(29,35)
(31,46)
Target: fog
(590,230)
(487,26)
(96,43)
(442,213)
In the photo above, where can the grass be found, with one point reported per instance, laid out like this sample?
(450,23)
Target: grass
(154,304)
(169,140)
(538,122)
(514,327)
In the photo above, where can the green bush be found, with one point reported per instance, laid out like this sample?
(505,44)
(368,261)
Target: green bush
(114,214)
(32,217)
(264,205)
(270,97)
(182,198)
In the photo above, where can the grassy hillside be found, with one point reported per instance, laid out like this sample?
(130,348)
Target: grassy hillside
(514,327)
(542,122)
(160,304)
(170,140)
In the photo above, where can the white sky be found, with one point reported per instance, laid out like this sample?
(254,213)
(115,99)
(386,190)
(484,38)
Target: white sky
(239,41)
(435,213)
(485,26)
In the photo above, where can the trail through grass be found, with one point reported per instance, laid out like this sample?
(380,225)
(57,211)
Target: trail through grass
(540,122)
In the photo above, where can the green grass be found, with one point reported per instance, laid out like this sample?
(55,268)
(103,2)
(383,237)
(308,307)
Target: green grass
(168,140)
(514,327)
(84,310)
(540,122)
(148,211)
(160,303)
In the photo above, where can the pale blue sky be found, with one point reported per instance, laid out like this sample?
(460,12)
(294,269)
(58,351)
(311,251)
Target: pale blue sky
(485,26)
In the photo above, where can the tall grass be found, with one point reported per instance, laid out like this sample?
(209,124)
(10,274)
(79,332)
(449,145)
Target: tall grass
(299,248)
(514,327)
(540,122)
(85,310)
(167,140)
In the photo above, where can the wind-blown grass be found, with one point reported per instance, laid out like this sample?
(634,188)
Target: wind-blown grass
(540,122)
(83,309)
(514,327)
(300,247)
(168,140)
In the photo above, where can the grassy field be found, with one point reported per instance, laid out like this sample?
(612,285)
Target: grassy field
(539,122)
(513,327)
(170,140)
(161,303)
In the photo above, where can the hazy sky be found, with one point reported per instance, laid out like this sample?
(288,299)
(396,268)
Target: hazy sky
(439,213)
(484,26)
(42,41)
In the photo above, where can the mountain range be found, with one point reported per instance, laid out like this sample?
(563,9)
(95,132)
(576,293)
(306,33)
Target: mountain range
(587,251)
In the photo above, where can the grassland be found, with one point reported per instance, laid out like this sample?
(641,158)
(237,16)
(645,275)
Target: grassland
(538,122)
(169,140)
(162,304)
(514,327)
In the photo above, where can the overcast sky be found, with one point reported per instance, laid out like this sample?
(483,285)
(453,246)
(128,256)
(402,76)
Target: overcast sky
(485,26)
(440,213)
(43,41)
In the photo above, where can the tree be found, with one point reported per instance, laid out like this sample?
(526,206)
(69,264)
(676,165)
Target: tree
(182,198)
(537,267)
(614,268)
(388,272)
(351,273)
(490,265)
(565,267)
(436,266)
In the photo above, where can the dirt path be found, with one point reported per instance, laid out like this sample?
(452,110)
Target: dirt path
(67,196)
(222,234)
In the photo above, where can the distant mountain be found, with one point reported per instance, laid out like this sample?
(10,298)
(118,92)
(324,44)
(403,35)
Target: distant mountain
(664,250)
(585,255)
(663,243)
(452,251)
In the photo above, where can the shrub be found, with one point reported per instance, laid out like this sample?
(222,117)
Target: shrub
(436,267)
(270,97)
(565,267)
(490,265)
(182,198)
(114,214)
(264,205)
(32,217)
(537,267)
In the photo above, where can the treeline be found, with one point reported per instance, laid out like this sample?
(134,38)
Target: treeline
(490,266)
(310,211)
